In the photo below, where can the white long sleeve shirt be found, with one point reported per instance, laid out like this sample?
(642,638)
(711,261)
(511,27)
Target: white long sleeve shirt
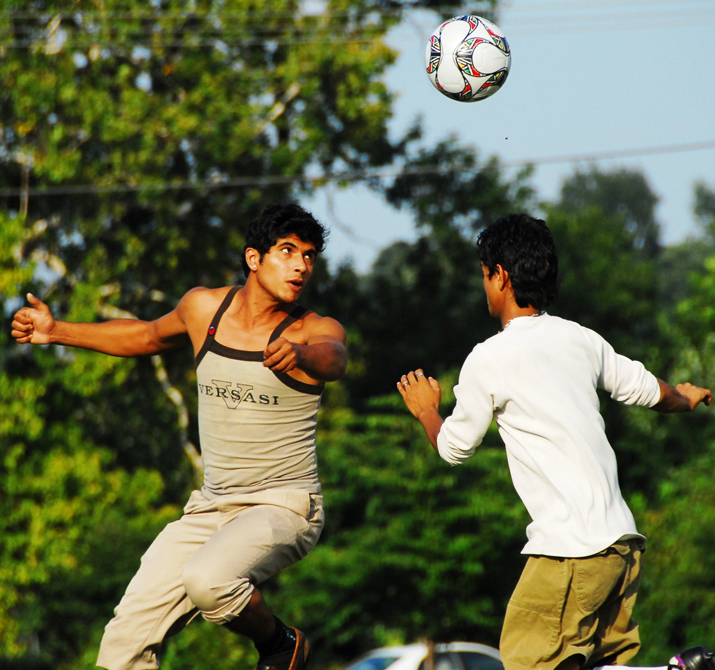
(538,379)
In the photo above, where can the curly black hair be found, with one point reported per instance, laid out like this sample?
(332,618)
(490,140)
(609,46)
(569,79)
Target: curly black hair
(278,221)
(524,247)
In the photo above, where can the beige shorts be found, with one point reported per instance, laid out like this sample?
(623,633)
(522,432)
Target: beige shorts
(563,607)
(206,562)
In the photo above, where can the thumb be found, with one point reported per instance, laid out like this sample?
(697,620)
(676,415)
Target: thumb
(434,384)
(35,302)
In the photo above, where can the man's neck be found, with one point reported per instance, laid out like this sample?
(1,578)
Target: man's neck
(255,307)
(513,311)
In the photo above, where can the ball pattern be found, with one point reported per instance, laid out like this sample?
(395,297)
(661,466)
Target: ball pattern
(468,58)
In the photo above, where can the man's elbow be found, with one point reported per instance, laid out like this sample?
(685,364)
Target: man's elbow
(338,367)
(452,451)
(451,456)
(154,343)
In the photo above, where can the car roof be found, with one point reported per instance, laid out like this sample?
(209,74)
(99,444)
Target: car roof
(469,646)
(415,653)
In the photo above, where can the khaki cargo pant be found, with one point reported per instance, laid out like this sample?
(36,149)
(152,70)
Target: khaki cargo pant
(563,607)
(208,562)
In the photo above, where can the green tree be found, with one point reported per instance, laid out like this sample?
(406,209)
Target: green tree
(422,304)
(622,193)
(153,111)
(608,241)
(681,263)
(71,522)
(705,209)
(136,142)
(677,604)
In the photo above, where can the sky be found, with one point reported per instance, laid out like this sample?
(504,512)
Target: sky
(634,78)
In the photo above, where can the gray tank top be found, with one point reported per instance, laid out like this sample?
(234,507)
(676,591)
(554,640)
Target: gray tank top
(256,427)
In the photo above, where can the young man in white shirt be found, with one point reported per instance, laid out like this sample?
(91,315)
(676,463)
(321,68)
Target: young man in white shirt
(538,378)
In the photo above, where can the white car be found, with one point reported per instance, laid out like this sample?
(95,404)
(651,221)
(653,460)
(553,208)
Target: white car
(450,656)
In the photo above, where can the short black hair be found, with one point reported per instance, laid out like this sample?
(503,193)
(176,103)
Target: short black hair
(524,246)
(278,221)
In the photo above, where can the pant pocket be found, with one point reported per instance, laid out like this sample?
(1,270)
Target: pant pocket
(597,578)
(542,586)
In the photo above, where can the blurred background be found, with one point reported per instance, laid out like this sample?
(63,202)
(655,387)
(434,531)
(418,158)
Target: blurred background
(137,140)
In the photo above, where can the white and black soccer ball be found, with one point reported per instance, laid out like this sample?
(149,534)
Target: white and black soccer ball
(468,58)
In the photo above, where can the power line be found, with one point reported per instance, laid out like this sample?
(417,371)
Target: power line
(194,44)
(354,36)
(565,18)
(183,16)
(354,175)
(611,23)
(670,10)
(609,19)
(536,8)
(605,155)
(543,24)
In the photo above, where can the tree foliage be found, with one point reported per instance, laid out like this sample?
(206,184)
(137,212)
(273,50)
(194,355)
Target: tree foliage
(422,304)
(136,142)
(622,193)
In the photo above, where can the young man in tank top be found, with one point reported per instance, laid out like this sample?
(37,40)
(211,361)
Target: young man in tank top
(538,379)
(261,360)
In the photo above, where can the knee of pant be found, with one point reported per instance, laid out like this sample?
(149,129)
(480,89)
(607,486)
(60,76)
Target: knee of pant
(201,588)
(216,599)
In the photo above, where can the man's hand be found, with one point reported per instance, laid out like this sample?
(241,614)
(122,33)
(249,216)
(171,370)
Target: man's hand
(281,355)
(33,324)
(694,394)
(681,397)
(420,393)
(322,358)
(422,396)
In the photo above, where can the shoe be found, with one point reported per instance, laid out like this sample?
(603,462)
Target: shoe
(294,658)
(695,658)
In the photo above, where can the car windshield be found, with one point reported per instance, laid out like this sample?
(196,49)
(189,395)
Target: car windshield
(473,660)
(373,663)
(463,660)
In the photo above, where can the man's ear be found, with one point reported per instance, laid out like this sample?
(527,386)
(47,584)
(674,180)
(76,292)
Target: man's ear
(503,277)
(253,258)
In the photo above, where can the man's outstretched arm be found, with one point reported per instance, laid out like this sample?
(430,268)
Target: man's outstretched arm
(681,397)
(118,337)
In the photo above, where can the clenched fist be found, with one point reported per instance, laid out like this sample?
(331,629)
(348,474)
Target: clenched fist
(33,324)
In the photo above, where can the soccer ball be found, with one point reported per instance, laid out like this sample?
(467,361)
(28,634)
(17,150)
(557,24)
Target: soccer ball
(468,58)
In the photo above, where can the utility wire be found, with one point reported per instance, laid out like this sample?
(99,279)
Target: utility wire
(521,8)
(605,155)
(568,17)
(355,36)
(354,175)
(194,44)
(344,227)
(600,5)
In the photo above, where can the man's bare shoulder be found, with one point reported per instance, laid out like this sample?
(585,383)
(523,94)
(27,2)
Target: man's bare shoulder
(200,300)
(315,325)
